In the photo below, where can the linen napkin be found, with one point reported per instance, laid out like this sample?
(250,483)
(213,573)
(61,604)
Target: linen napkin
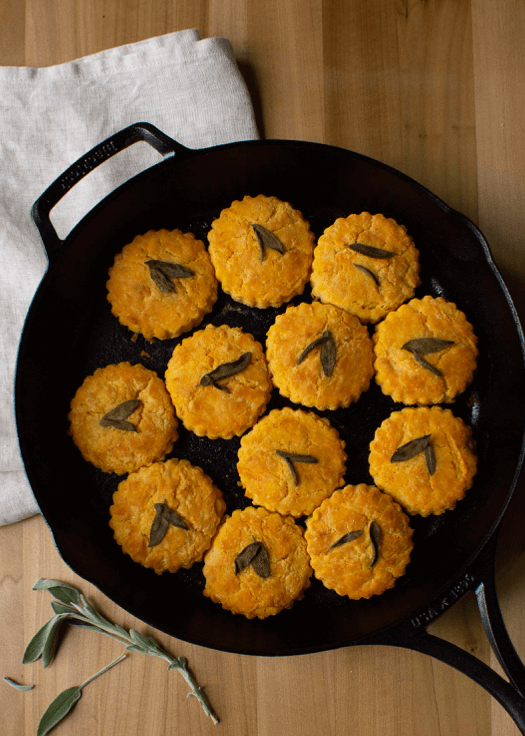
(189,87)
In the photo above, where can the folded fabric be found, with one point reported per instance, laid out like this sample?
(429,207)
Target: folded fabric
(191,89)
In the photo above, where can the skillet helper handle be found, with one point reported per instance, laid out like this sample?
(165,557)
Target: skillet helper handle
(116,143)
(413,635)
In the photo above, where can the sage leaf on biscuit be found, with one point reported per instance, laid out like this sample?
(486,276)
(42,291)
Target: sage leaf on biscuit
(225,370)
(162,273)
(291,457)
(368,272)
(425,364)
(163,518)
(327,352)
(348,537)
(116,417)
(410,449)
(369,250)
(256,555)
(266,239)
(430,459)
(375,538)
(425,345)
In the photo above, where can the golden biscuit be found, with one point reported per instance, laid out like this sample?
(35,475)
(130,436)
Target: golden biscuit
(290,461)
(257,564)
(366,264)
(261,249)
(424,458)
(122,418)
(359,541)
(162,284)
(320,355)
(165,515)
(425,352)
(218,381)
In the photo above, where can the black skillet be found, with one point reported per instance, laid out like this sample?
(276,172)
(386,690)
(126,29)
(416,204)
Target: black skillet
(70,331)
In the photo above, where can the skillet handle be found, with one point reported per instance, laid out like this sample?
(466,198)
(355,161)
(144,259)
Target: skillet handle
(413,635)
(102,152)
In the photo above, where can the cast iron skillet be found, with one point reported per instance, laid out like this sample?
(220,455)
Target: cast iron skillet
(70,331)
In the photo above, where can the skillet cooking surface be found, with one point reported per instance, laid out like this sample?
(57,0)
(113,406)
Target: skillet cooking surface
(70,331)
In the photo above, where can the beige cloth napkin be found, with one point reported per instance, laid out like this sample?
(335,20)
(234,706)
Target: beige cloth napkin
(189,88)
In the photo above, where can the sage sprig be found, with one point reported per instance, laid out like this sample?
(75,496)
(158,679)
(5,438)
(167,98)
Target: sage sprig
(58,709)
(70,606)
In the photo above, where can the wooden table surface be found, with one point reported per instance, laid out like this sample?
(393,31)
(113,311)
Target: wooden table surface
(435,88)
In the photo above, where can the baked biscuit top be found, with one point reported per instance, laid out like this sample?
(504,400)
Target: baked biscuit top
(162,284)
(366,264)
(122,418)
(258,564)
(359,541)
(218,381)
(424,458)
(320,355)
(261,249)
(426,352)
(165,515)
(290,461)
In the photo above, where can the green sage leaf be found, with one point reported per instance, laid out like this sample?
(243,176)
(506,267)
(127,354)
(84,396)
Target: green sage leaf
(410,449)
(58,709)
(51,643)
(62,591)
(369,250)
(36,646)
(17,686)
(266,239)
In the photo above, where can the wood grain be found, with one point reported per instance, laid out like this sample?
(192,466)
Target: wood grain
(433,88)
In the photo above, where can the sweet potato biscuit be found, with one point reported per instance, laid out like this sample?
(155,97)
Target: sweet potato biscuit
(162,284)
(290,461)
(258,564)
(425,352)
(252,266)
(366,264)
(207,403)
(359,541)
(141,432)
(155,492)
(320,355)
(424,458)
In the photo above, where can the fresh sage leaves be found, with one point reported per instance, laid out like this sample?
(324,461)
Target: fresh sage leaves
(17,685)
(64,702)
(117,416)
(225,370)
(266,239)
(413,448)
(290,458)
(327,353)
(162,273)
(70,606)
